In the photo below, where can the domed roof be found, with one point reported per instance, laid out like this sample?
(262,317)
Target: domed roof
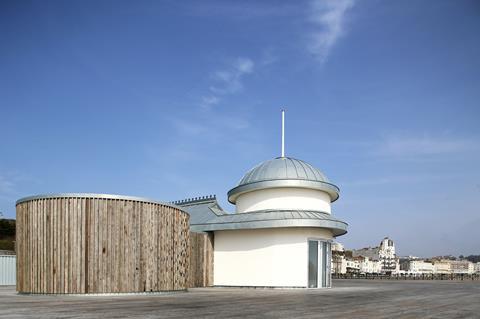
(283,172)
(283,168)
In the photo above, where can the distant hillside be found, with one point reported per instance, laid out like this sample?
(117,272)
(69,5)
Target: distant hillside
(7,234)
(472,258)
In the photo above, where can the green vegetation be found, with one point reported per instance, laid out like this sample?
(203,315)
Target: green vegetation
(472,258)
(7,234)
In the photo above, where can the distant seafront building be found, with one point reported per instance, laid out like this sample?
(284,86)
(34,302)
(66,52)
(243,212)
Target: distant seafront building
(371,260)
(369,266)
(384,253)
(343,262)
(418,266)
(383,260)
(462,267)
(442,266)
(339,262)
(414,266)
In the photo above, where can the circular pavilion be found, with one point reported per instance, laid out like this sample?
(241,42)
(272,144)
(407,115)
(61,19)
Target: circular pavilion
(281,233)
(96,243)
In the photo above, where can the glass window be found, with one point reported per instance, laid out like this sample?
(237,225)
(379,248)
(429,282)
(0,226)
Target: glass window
(312,264)
(319,263)
(324,264)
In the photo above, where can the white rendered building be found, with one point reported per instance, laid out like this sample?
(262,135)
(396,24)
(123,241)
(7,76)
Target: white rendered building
(462,267)
(338,247)
(442,266)
(353,265)
(369,266)
(281,232)
(385,253)
(339,262)
(420,266)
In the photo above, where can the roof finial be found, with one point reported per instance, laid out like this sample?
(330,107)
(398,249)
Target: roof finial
(283,133)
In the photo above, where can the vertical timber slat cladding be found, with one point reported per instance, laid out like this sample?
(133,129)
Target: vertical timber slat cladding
(88,243)
(200,268)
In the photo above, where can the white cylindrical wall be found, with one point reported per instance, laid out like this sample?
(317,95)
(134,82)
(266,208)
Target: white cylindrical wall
(273,257)
(284,198)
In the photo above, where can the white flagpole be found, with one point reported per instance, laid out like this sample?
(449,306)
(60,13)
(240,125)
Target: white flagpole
(283,133)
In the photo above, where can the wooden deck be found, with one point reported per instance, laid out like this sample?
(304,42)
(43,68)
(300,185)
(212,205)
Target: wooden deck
(349,299)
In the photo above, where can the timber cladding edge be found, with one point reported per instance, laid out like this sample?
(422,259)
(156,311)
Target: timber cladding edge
(76,245)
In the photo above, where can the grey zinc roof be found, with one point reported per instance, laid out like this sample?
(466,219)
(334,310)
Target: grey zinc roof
(273,219)
(207,215)
(93,195)
(202,209)
(283,168)
(283,172)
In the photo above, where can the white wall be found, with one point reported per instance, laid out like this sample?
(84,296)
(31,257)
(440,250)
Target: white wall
(264,257)
(284,198)
(8,269)
(420,267)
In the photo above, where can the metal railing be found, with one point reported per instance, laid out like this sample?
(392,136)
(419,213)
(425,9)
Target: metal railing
(460,277)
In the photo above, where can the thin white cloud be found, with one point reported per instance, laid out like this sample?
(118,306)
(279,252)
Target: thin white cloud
(188,127)
(209,101)
(212,126)
(192,133)
(328,17)
(384,180)
(6,185)
(243,10)
(227,81)
(9,184)
(392,179)
(426,145)
(268,57)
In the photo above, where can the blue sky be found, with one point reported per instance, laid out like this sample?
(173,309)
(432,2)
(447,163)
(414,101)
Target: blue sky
(169,99)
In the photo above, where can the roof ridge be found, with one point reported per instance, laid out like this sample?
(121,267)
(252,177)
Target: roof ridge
(282,210)
(201,199)
(265,220)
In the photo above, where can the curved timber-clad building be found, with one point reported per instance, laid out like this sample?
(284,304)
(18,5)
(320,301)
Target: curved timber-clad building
(95,243)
